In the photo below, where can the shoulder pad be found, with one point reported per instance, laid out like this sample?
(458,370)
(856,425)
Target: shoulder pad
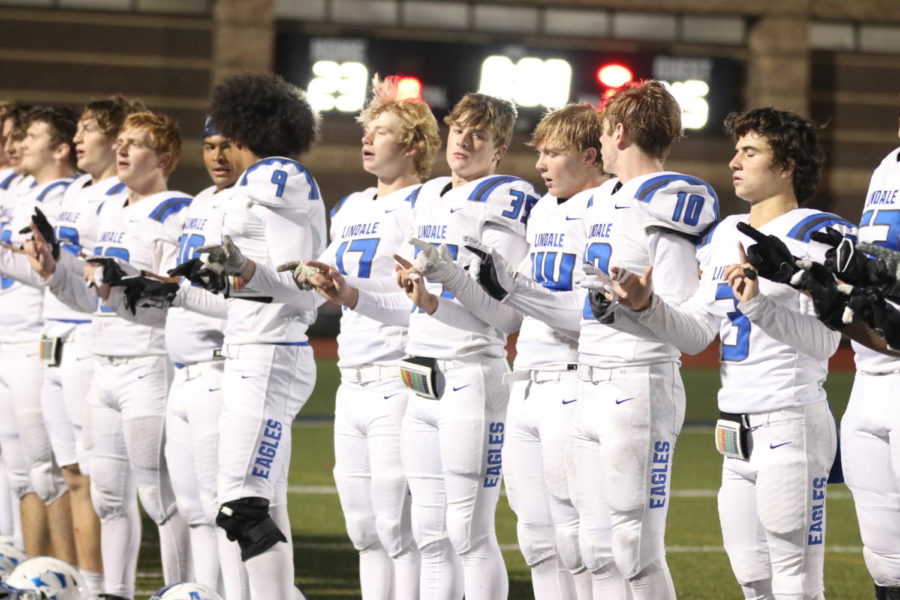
(337,207)
(278,182)
(482,191)
(679,202)
(169,207)
(804,228)
(508,201)
(706,237)
(116,189)
(57,186)
(413,196)
(4,185)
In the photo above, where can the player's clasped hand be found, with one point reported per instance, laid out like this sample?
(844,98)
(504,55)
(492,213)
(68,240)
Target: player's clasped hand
(634,292)
(331,285)
(412,283)
(225,258)
(493,272)
(40,223)
(432,262)
(742,277)
(769,256)
(301,271)
(195,271)
(146,292)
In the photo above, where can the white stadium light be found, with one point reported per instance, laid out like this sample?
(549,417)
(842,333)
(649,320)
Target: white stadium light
(338,86)
(528,82)
(691,96)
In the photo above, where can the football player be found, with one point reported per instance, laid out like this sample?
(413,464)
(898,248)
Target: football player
(273,213)
(453,430)
(399,144)
(46,156)
(775,429)
(195,397)
(131,370)
(869,427)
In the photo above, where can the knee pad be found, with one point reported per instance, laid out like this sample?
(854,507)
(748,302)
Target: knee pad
(886,593)
(536,541)
(361,530)
(461,534)
(749,565)
(626,545)
(247,522)
(884,569)
(109,503)
(567,547)
(48,482)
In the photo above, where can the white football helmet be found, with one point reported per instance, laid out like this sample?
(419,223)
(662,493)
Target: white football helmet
(10,557)
(185,591)
(46,578)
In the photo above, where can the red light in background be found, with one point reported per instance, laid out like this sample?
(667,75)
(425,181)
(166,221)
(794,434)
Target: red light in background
(409,88)
(614,75)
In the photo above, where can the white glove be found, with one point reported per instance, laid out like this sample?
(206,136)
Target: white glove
(300,271)
(490,269)
(224,258)
(434,263)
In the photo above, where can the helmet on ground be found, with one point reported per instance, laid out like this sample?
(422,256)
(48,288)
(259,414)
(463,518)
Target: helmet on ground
(10,557)
(185,591)
(45,578)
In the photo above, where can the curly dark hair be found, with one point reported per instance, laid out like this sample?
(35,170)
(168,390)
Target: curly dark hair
(795,144)
(264,113)
(61,122)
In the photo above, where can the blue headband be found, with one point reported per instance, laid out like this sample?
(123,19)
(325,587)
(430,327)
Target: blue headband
(209,128)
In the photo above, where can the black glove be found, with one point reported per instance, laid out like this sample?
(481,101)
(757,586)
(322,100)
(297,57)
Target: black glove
(600,304)
(892,327)
(867,304)
(769,255)
(196,272)
(847,263)
(45,229)
(828,300)
(487,274)
(112,271)
(146,292)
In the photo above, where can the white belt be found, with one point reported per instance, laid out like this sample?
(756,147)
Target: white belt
(541,375)
(767,418)
(369,374)
(193,370)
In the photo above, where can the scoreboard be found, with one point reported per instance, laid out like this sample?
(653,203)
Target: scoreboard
(337,72)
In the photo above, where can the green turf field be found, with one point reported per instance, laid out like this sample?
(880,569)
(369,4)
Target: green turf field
(326,563)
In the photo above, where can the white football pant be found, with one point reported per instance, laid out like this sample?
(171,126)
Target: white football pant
(370,481)
(451,450)
(870,454)
(772,506)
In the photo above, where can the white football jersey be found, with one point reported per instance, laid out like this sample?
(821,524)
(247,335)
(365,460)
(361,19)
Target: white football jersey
(190,336)
(145,235)
(21,305)
(443,215)
(556,240)
(627,226)
(760,373)
(274,214)
(75,221)
(880,224)
(366,231)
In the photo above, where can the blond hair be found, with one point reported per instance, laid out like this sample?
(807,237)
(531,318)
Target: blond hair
(573,128)
(164,136)
(649,113)
(487,113)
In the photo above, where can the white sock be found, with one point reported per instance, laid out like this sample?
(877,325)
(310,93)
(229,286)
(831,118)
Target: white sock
(442,572)
(94,582)
(653,583)
(608,583)
(584,587)
(268,573)
(545,580)
(174,549)
(376,573)
(407,569)
(205,555)
(234,573)
(120,542)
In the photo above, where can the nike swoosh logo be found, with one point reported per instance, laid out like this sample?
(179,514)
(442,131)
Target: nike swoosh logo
(570,401)
(573,218)
(624,400)
(453,210)
(31,355)
(144,375)
(390,211)
(386,396)
(456,389)
(214,389)
(80,358)
(626,206)
(246,376)
(773,446)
